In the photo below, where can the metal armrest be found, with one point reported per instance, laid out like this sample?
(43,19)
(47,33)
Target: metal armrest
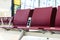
(10,20)
(29,22)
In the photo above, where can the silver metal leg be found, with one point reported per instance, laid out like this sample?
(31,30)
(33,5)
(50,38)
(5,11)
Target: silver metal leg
(10,21)
(2,22)
(22,34)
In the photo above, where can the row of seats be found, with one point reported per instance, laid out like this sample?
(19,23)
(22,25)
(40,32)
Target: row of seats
(40,18)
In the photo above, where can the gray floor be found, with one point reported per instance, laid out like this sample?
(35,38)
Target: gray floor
(15,35)
(40,36)
(9,35)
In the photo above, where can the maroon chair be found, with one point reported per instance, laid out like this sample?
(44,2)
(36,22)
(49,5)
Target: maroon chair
(21,18)
(57,20)
(52,20)
(41,18)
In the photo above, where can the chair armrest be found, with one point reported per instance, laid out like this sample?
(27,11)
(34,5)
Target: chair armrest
(29,22)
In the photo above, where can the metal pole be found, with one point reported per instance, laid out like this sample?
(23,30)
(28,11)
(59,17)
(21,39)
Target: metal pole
(12,8)
(22,34)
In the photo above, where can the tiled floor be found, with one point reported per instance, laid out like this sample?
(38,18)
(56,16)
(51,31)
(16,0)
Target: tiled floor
(47,34)
(15,35)
(38,38)
(33,38)
(9,35)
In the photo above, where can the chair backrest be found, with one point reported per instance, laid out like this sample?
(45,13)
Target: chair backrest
(21,17)
(57,20)
(41,16)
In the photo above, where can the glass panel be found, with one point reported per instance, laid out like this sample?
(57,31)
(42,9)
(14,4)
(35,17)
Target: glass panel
(36,3)
(23,4)
(43,3)
(57,3)
(29,4)
(50,3)
(47,3)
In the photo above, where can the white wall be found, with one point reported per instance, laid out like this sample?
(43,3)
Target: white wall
(5,8)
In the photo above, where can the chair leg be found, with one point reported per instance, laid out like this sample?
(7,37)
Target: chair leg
(1,23)
(7,29)
(22,34)
(42,31)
